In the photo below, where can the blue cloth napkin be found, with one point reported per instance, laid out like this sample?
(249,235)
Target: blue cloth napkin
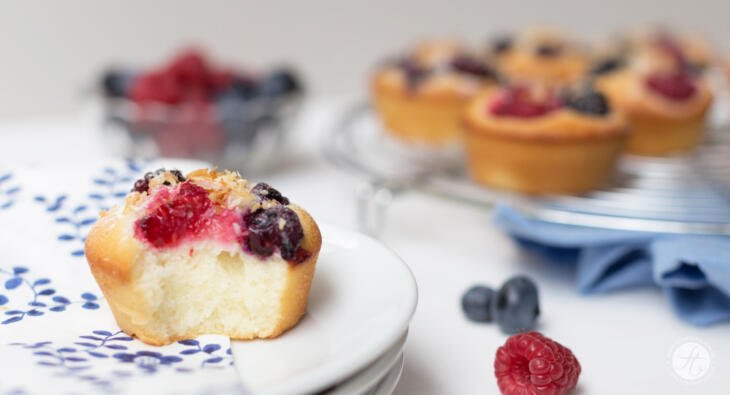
(694,271)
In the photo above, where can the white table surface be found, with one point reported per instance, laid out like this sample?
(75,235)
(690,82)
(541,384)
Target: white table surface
(623,340)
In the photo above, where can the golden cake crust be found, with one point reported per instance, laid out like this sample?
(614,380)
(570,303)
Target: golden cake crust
(643,42)
(444,87)
(431,53)
(113,254)
(562,69)
(430,114)
(522,64)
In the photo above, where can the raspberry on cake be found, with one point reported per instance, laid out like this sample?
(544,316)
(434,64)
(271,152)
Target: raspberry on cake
(204,253)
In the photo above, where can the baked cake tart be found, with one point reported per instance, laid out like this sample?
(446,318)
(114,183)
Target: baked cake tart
(540,55)
(665,108)
(208,253)
(541,141)
(421,97)
(652,49)
(667,47)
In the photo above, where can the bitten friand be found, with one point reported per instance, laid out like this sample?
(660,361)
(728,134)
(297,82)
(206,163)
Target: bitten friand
(206,253)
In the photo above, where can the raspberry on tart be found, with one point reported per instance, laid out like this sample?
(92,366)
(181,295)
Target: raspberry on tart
(677,85)
(537,140)
(522,102)
(204,253)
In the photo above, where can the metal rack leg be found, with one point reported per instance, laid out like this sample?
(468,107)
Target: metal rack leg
(372,199)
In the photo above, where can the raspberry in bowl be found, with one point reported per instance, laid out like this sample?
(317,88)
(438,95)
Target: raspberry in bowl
(192,108)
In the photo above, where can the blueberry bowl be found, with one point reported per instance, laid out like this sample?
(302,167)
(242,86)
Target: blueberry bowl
(187,109)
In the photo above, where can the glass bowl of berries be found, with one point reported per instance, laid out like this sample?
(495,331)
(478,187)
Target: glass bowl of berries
(189,108)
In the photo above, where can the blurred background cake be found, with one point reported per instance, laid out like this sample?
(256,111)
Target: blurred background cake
(421,95)
(542,55)
(541,140)
(657,79)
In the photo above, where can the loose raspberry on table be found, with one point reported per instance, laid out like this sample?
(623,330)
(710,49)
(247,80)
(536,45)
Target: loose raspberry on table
(530,363)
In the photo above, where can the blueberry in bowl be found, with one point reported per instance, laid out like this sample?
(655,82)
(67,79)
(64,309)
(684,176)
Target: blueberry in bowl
(116,83)
(278,82)
(190,107)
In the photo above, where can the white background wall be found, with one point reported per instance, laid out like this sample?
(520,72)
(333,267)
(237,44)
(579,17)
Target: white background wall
(49,50)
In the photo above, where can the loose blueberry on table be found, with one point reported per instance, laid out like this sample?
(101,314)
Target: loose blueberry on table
(530,363)
(515,306)
(476,303)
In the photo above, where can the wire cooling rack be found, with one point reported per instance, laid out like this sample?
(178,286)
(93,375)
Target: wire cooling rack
(687,194)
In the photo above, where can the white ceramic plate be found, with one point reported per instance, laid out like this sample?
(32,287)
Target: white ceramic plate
(362,300)
(390,381)
(367,378)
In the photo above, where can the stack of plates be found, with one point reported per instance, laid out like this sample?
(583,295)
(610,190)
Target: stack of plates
(351,340)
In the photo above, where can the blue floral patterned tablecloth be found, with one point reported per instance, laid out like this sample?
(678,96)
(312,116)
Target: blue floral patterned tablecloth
(57,334)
